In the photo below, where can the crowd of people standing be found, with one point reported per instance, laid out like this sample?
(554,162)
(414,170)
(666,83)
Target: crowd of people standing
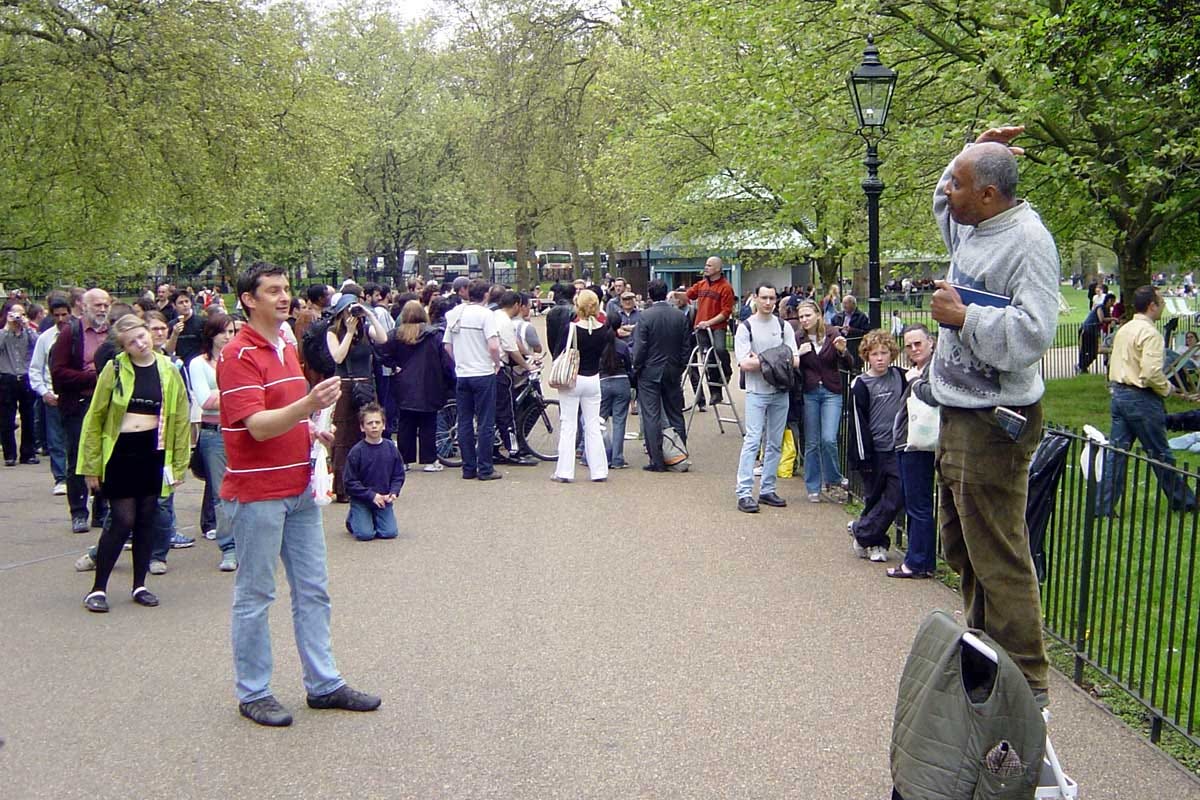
(237,399)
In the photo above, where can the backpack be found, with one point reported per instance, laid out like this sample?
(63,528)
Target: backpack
(316,349)
(675,456)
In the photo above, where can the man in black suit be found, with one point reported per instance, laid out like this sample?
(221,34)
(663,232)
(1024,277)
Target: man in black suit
(660,354)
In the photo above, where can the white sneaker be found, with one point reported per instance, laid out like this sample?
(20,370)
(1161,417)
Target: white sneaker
(436,466)
(878,553)
(60,489)
(158,567)
(85,563)
(229,562)
(859,550)
(814,497)
(210,535)
(758,471)
(631,435)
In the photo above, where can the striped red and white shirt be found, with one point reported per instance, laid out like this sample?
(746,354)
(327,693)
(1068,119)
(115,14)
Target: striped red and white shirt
(254,375)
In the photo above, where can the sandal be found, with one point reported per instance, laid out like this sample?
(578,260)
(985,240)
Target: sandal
(96,602)
(903,571)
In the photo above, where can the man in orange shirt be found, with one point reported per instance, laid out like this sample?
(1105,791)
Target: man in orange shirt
(714,306)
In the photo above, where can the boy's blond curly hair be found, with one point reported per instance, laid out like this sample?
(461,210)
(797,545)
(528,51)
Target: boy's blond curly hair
(877,338)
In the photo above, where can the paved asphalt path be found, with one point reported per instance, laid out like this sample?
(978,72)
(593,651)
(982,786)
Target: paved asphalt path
(634,639)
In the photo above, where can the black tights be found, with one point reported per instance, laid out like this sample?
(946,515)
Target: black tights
(127,515)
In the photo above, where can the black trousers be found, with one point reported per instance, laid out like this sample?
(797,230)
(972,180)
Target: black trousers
(504,409)
(16,397)
(416,430)
(885,499)
(658,401)
(77,491)
(1089,345)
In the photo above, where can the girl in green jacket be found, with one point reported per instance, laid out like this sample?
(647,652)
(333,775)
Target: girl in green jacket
(134,448)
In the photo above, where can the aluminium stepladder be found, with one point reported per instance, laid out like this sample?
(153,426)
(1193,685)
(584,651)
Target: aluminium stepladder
(707,362)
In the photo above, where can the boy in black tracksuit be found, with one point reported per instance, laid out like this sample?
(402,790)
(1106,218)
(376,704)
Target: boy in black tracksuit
(876,397)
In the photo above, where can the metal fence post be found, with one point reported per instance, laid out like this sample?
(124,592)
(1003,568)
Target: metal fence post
(1085,555)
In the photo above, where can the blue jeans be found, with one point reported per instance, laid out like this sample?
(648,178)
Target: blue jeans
(164,526)
(766,417)
(56,443)
(916,476)
(270,530)
(211,447)
(367,521)
(822,417)
(476,397)
(1140,414)
(615,395)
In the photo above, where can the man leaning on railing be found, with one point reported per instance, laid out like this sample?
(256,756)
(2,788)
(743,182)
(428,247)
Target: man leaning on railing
(985,376)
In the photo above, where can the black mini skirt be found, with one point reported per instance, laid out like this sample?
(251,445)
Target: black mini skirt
(135,468)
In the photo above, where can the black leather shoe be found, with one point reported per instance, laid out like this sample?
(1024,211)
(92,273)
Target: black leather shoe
(491,476)
(468,476)
(144,597)
(654,468)
(31,460)
(96,602)
(747,505)
(346,699)
(522,461)
(80,525)
(266,711)
(772,499)
(10,462)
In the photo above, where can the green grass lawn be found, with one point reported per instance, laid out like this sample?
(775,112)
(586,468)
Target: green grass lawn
(1084,399)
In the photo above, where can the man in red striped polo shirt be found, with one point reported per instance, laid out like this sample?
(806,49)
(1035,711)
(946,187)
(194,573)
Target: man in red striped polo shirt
(265,406)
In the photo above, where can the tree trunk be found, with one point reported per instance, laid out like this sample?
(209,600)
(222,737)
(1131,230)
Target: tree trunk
(1133,261)
(526,272)
(829,266)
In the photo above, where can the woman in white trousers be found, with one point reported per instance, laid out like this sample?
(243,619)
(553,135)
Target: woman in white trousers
(591,338)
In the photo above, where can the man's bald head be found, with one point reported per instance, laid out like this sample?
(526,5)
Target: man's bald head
(713,267)
(96,304)
(982,183)
(993,164)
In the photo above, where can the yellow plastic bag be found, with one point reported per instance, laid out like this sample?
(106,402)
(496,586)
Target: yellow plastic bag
(787,461)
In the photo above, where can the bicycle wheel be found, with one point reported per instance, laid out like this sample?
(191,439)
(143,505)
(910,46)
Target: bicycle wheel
(446,437)
(538,430)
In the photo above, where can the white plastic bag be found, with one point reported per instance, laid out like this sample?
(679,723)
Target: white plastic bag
(321,483)
(1092,457)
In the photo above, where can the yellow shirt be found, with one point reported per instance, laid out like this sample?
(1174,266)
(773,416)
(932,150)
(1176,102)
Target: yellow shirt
(1137,356)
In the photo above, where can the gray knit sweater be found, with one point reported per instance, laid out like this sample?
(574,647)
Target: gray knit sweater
(993,360)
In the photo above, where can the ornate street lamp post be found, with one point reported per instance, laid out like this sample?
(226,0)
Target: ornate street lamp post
(871,85)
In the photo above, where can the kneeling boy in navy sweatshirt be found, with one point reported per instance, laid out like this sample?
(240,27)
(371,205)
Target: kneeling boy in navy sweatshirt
(373,478)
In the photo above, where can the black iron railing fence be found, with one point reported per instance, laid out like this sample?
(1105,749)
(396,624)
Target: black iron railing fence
(1121,591)
(1063,356)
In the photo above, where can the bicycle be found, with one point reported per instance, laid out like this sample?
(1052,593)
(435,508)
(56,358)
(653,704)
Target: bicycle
(536,423)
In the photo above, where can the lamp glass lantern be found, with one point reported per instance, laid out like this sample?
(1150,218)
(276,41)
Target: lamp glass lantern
(871,85)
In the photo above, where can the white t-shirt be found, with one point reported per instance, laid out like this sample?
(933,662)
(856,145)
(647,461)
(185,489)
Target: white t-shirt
(508,334)
(767,334)
(468,328)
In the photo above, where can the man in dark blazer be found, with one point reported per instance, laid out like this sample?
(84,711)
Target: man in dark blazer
(660,353)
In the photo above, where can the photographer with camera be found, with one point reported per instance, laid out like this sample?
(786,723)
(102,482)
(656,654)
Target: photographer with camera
(351,334)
